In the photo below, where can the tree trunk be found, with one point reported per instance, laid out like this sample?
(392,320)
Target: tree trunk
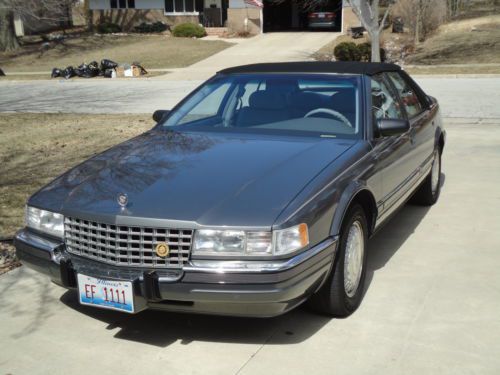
(8,39)
(375,41)
(417,26)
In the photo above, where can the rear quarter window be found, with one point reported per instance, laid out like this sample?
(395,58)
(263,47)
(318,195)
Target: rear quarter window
(409,97)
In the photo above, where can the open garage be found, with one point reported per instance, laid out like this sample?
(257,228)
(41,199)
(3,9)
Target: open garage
(298,15)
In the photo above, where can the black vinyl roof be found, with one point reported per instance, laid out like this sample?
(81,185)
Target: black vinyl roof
(342,67)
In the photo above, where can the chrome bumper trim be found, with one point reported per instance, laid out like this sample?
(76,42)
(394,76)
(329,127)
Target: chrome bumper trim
(37,241)
(251,266)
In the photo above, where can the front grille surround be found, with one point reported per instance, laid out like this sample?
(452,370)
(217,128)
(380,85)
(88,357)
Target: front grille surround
(121,245)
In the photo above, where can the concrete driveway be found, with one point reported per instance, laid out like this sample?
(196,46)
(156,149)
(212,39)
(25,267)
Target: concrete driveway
(432,305)
(269,47)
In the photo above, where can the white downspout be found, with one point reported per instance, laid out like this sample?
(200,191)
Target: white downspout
(262,20)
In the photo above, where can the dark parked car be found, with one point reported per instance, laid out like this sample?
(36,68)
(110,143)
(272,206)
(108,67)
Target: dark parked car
(256,193)
(321,19)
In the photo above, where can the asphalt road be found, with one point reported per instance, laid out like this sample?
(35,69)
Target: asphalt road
(432,305)
(459,97)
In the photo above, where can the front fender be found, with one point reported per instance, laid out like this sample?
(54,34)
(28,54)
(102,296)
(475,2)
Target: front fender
(345,200)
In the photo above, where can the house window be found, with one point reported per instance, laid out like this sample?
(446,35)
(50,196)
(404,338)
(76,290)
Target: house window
(122,4)
(180,6)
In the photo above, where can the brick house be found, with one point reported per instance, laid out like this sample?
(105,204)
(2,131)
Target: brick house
(235,15)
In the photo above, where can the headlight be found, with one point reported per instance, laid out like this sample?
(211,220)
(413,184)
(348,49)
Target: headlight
(45,221)
(238,243)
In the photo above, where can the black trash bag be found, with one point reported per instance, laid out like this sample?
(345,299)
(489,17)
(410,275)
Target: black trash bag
(398,25)
(69,72)
(87,71)
(56,72)
(108,73)
(80,70)
(108,64)
(93,69)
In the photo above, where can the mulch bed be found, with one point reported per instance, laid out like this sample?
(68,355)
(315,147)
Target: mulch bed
(8,258)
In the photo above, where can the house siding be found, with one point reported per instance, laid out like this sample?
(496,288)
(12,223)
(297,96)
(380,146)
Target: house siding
(154,10)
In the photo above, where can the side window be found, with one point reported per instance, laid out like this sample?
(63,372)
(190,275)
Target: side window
(207,107)
(384,102)
(249,88)
(408,96)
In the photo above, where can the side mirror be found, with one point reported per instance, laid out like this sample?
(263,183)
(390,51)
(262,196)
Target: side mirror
(387,127)
(160,115)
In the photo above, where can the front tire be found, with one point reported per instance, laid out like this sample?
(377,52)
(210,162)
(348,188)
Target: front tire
(342,292)
(428,193)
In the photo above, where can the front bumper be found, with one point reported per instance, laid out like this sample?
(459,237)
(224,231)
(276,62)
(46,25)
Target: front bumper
(237,291)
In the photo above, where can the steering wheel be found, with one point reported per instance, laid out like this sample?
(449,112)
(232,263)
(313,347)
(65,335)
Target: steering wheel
(331,112)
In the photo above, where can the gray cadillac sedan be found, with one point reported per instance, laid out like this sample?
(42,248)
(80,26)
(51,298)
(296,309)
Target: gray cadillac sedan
(256,193)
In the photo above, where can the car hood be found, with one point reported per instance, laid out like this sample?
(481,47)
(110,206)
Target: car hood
(213,179)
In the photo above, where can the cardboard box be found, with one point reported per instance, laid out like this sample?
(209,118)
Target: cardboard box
(136,71)
(120,71)
(128,71)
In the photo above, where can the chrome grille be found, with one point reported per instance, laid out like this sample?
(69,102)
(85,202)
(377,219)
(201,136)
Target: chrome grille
(126,246)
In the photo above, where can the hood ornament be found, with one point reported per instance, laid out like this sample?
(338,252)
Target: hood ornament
(122,200)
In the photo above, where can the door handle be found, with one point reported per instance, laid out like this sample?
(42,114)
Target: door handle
(411,135)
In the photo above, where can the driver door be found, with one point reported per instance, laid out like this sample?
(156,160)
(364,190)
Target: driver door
(392,153)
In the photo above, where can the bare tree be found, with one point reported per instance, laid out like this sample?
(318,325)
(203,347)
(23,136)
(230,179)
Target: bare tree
(421,16)
(88,15)
(455,6)
(368,12)
(8,39)
(38,10)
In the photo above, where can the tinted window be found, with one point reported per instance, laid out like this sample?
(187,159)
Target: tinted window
(179,5)
(317,105)
(169,6)
(407,94)
(384,101)
(189,6)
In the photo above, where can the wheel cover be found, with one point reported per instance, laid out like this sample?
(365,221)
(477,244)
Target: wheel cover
(353,262)
(435,173)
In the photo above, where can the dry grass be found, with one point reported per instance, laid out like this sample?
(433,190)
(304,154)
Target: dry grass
(462,70)
(152,51)
(8,258)
(464,42)
(35,148)
(471,41)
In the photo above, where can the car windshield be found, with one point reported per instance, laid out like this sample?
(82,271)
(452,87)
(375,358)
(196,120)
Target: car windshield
(320,105)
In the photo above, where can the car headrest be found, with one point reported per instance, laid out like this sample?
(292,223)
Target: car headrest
(345,100)
(267,100)
(306,100)
(285,86)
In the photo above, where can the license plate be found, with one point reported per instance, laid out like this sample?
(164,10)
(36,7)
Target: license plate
(108,294)
(321,15)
